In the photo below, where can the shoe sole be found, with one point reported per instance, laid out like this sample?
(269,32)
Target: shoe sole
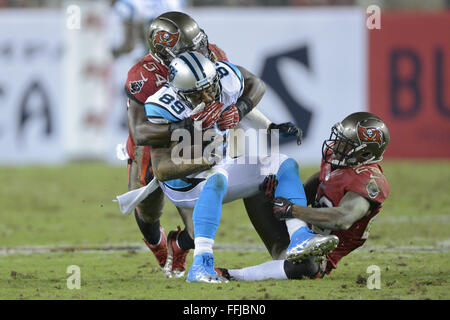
(218,279)
(178,274)
(204,277)
(319,248)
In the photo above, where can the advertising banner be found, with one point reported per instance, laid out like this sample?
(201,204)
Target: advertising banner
(31,99)
(409,81)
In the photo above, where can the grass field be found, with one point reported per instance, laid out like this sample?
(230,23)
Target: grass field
(55,217)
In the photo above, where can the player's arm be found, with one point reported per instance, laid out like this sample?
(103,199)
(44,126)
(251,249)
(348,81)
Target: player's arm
(310,187)
(252,92)
(254,87)
(144,132)
(351,208)
(165,169)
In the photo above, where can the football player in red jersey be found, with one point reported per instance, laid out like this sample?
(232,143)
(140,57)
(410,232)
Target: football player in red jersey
(170,34)
(346,195)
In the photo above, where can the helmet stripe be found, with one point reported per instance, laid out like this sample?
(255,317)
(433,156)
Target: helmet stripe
(198,63)
(182,57)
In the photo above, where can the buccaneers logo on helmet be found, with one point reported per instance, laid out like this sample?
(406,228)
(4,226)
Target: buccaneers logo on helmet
(369,135)
(165,38)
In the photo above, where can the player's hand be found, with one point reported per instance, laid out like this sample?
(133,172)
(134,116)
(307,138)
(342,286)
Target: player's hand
(209,115)
(229,118)
(269,185)
(287,129)
(282,208)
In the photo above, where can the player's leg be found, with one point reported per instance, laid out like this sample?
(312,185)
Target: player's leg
(186,216)
(205,198)
(245,176)
(179,243)
(206,218)
(276,269)
(149,211)
(272,232)
(304,243)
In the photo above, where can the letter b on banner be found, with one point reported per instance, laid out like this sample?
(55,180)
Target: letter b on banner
(405,84)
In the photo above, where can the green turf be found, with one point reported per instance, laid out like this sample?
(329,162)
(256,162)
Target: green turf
(131,275)
(72,205)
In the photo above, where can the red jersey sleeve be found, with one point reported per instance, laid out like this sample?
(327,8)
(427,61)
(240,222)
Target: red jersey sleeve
(144,79)
(218,54)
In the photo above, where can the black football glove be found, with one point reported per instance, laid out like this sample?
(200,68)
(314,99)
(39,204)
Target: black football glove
(287,129)
(268,186)
(282,208)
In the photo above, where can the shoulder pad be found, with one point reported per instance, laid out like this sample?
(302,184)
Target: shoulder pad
(231,81)
(369,182)
(144,79)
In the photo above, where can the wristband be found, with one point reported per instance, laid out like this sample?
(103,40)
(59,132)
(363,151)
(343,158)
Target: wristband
(244,106)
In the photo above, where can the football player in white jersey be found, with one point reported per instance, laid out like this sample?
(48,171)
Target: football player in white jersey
(196,82)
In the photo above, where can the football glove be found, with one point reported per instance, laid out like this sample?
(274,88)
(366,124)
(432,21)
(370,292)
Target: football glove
(209,115)
(229,118)
(282,208)
(287,129)
(206,115)
(269,185)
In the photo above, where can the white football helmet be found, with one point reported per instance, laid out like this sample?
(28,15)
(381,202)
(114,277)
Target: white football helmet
(191,74)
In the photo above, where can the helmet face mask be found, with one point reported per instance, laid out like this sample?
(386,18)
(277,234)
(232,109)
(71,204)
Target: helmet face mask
(194,78)
(361,138)
(203,94)
(338,149)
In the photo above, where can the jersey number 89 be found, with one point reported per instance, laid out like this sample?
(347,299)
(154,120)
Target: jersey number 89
(176,106)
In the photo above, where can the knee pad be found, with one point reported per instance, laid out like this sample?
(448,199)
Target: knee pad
(307,268)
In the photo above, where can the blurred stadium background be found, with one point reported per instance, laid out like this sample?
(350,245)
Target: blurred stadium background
(62,101)
(61,89)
